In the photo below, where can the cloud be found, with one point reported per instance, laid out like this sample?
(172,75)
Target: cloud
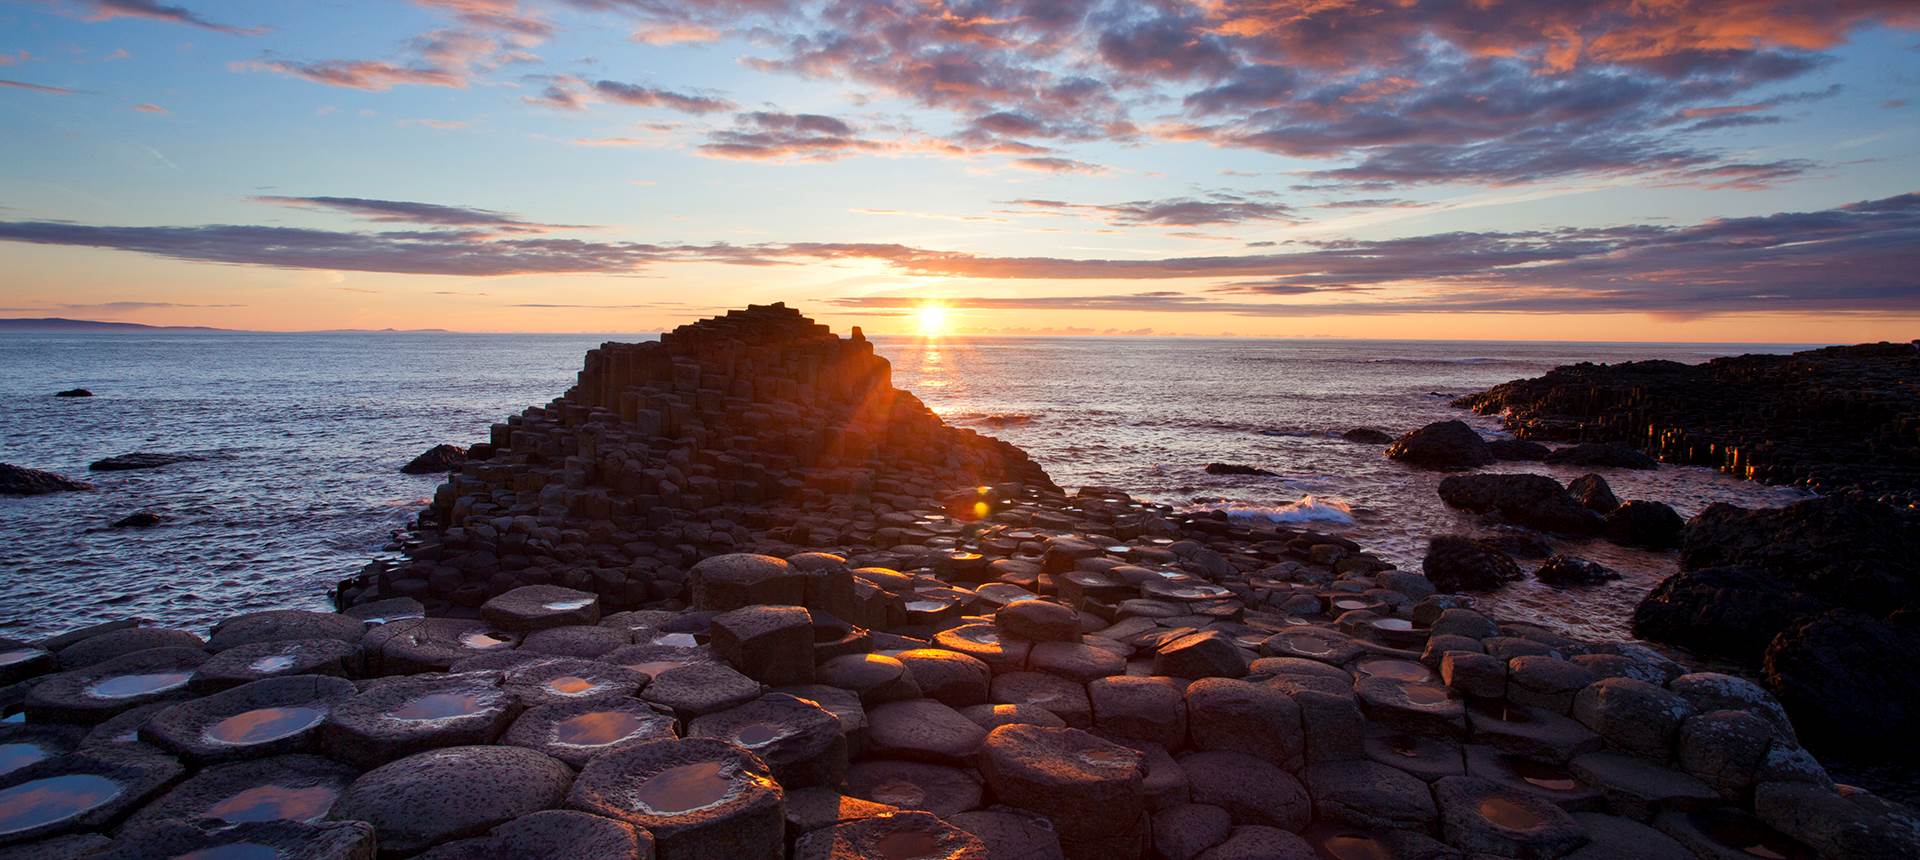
(107,10)
(1856,258)
(773,136)
(1218,208)
(149,107)
(1384,92)
(408,212)
(38,88)
(11,59)
(440,124)
(1054,164)
(369,75)
(639,96)
(674,34)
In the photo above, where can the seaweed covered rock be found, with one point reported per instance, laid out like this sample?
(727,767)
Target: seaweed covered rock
(22,481)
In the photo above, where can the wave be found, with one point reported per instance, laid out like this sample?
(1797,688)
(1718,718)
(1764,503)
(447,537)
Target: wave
(992,419)
(1310,509)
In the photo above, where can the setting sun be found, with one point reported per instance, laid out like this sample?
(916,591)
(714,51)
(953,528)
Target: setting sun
(933,320)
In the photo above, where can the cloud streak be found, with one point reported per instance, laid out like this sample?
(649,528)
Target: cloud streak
(1855,258)
(107,10)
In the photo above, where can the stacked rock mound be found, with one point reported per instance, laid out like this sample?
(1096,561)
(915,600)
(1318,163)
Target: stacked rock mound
(1829,419)
(1066,677)
(759,429)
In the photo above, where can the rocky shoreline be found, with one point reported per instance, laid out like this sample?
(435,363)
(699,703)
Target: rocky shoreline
(1843,418)
(734,596)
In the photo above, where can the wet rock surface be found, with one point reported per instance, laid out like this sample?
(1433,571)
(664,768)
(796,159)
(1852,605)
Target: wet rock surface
(439,458)
(708,606)
(1446,445)
(22,481)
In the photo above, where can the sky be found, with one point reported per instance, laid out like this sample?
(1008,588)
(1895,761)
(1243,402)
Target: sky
(1598,170)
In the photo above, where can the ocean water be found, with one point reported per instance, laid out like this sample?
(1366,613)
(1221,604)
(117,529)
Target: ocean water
(303,435)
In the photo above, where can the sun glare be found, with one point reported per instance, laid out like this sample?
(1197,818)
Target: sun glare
(933,320)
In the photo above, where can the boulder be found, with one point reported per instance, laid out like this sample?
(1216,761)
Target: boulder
(21,481)
(1201,654)
(1593,493)
(1568,570)
(1457,563)
(1536,501)
(138,520)
(1368,436)
(1633,716)
(1445,445)
(73,392)
(1237,469)
(438,459)
(1602,455)
(1848,680)
(140,460)
(1518,449)
(1638,522)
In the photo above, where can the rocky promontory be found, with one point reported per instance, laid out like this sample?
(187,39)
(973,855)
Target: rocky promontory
(1839,418)
(734,596)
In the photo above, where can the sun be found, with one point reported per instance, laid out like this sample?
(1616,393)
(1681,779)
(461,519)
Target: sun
(933,320)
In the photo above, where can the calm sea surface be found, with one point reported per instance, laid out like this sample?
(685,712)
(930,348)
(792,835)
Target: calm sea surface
(303,436)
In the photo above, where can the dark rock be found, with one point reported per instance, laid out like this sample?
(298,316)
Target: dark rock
(1011,834)
(1518,449)
(1568,570)
(1593,493)
(1241,716)
(1631,715)
(1258,842)
(21,481)
(80,791)
(943,790)
(1148,709)
(800,741)
(1477,815)
(701,688)
(770,644)
(1456,563)
(1090,789)
(140,460)
(118,643)
(1519,544)
(139,520)
(914,834)
(1529,500)
(405,716)
(114,685)
(1236,469)
(74,392)
(537,607)
(1251,790)
(283,625)
(1728,612)
(1446,445)
(437,459)
(1368,436)
(561,833)
(297,788)
(1638,522)
(1182,832)
(922,730)
(1848,679)
(335,840)
(1201,654)
(1370,795)
(452,793)
(1602,455)
(1038,621)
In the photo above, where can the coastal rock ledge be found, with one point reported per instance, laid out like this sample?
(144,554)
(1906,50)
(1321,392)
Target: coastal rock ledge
(734,596)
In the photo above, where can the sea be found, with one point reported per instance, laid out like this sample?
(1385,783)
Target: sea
(300,439)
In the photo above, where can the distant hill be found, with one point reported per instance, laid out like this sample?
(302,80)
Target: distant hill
(62,325)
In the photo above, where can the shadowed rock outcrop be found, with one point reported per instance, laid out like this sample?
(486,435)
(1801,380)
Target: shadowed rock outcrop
(1829,419)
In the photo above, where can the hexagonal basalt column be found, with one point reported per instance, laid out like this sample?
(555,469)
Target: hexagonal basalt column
(268,717)
(701,799)
(452,793)
(406,716)
(800,741)
(1090,789)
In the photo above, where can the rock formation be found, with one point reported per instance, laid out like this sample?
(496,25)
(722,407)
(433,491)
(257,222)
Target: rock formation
(908,667)
(1827,419)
